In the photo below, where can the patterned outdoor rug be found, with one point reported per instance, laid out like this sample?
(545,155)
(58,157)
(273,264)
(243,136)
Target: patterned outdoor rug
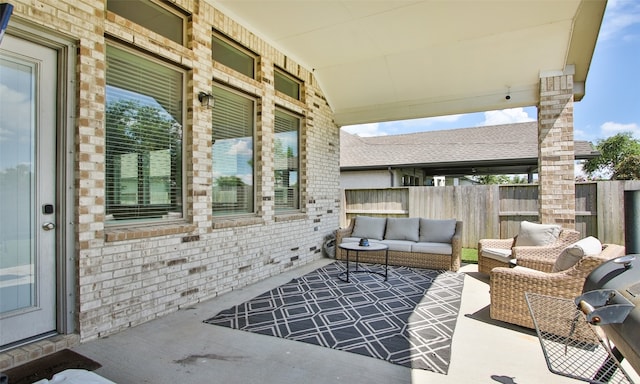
(408,320)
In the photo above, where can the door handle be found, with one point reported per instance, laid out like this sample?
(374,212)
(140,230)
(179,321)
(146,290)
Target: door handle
(48,226)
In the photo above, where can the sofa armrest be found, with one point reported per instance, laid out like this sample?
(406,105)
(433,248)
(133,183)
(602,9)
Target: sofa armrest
(539,258)
(495,243)
(587,264)
(485,264)
(543,258)
(456,247)
(344,232)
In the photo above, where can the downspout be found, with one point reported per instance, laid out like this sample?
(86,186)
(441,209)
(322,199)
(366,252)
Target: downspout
(390,176)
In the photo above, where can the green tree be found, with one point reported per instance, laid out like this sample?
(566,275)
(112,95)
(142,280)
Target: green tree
(517,179)
(135,128)
(628,168)
(492,179)
(229,181)
(615,152)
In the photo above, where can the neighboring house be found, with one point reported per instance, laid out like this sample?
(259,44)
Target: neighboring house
(444,157)
(157,153)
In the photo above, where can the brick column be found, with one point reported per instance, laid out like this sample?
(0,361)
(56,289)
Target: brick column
(556,191)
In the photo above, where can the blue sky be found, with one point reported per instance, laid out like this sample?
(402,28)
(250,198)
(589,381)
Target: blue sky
(611,104)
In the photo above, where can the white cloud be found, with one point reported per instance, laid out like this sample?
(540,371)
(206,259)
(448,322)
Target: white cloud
(5,134)
(401,126)
(610,128)
(443,119)
(506,116)
(364,130)
(13,95)
(580,134)
(241,147)
(620,15)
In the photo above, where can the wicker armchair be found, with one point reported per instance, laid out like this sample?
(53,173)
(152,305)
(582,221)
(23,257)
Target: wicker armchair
(508,285)
(541,258)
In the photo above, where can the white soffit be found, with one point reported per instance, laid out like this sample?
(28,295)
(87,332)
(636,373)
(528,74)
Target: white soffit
(392,60)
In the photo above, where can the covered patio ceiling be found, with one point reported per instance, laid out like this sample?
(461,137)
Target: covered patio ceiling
(392,60)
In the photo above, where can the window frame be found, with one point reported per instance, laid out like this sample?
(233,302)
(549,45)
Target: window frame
(300,119)
(293,79)
(168,217)
(167,6)
(254,118)
(238,47)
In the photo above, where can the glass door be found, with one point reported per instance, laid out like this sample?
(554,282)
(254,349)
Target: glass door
(28,74)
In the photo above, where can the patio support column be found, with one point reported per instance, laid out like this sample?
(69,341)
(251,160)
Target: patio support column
(556,190)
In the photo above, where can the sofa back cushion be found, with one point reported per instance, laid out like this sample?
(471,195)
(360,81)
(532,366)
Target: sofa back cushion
(589,246)
(437,231)
(402,228)
(369,227)
(537,235)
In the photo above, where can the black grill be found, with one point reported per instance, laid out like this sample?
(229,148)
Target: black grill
(623,277)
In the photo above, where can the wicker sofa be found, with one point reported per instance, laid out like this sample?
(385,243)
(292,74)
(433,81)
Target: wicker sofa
(509,285)
(413,242)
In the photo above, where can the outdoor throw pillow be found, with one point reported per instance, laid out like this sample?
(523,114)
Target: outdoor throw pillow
(588,246)
(437,231)
(537,235)
(406,228)
(369,227)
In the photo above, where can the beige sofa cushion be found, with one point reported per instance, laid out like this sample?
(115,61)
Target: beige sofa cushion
(499,254)
(537,235)
(588,246)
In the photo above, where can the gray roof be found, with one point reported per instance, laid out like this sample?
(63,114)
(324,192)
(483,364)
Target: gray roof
(512,148)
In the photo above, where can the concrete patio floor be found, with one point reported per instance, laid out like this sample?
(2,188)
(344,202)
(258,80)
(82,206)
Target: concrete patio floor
(180,348)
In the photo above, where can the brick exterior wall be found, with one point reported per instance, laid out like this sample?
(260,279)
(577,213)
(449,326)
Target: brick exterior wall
(556,195)
(127,276)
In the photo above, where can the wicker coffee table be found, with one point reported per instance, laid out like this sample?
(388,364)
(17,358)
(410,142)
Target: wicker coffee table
(349,247)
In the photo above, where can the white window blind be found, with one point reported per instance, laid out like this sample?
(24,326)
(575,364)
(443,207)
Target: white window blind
(233,160)
(287,163)
(143,137)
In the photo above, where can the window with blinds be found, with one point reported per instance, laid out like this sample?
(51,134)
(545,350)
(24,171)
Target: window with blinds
(233,160)
(287,161)
(233,56)
(286,84)
(143,125)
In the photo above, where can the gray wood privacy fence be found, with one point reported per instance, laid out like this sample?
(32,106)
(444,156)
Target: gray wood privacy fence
(493,211)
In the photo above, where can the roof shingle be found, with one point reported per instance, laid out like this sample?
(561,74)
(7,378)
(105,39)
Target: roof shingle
(508,142)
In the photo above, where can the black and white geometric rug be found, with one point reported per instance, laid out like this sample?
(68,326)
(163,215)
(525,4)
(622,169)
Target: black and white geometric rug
(408,320)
